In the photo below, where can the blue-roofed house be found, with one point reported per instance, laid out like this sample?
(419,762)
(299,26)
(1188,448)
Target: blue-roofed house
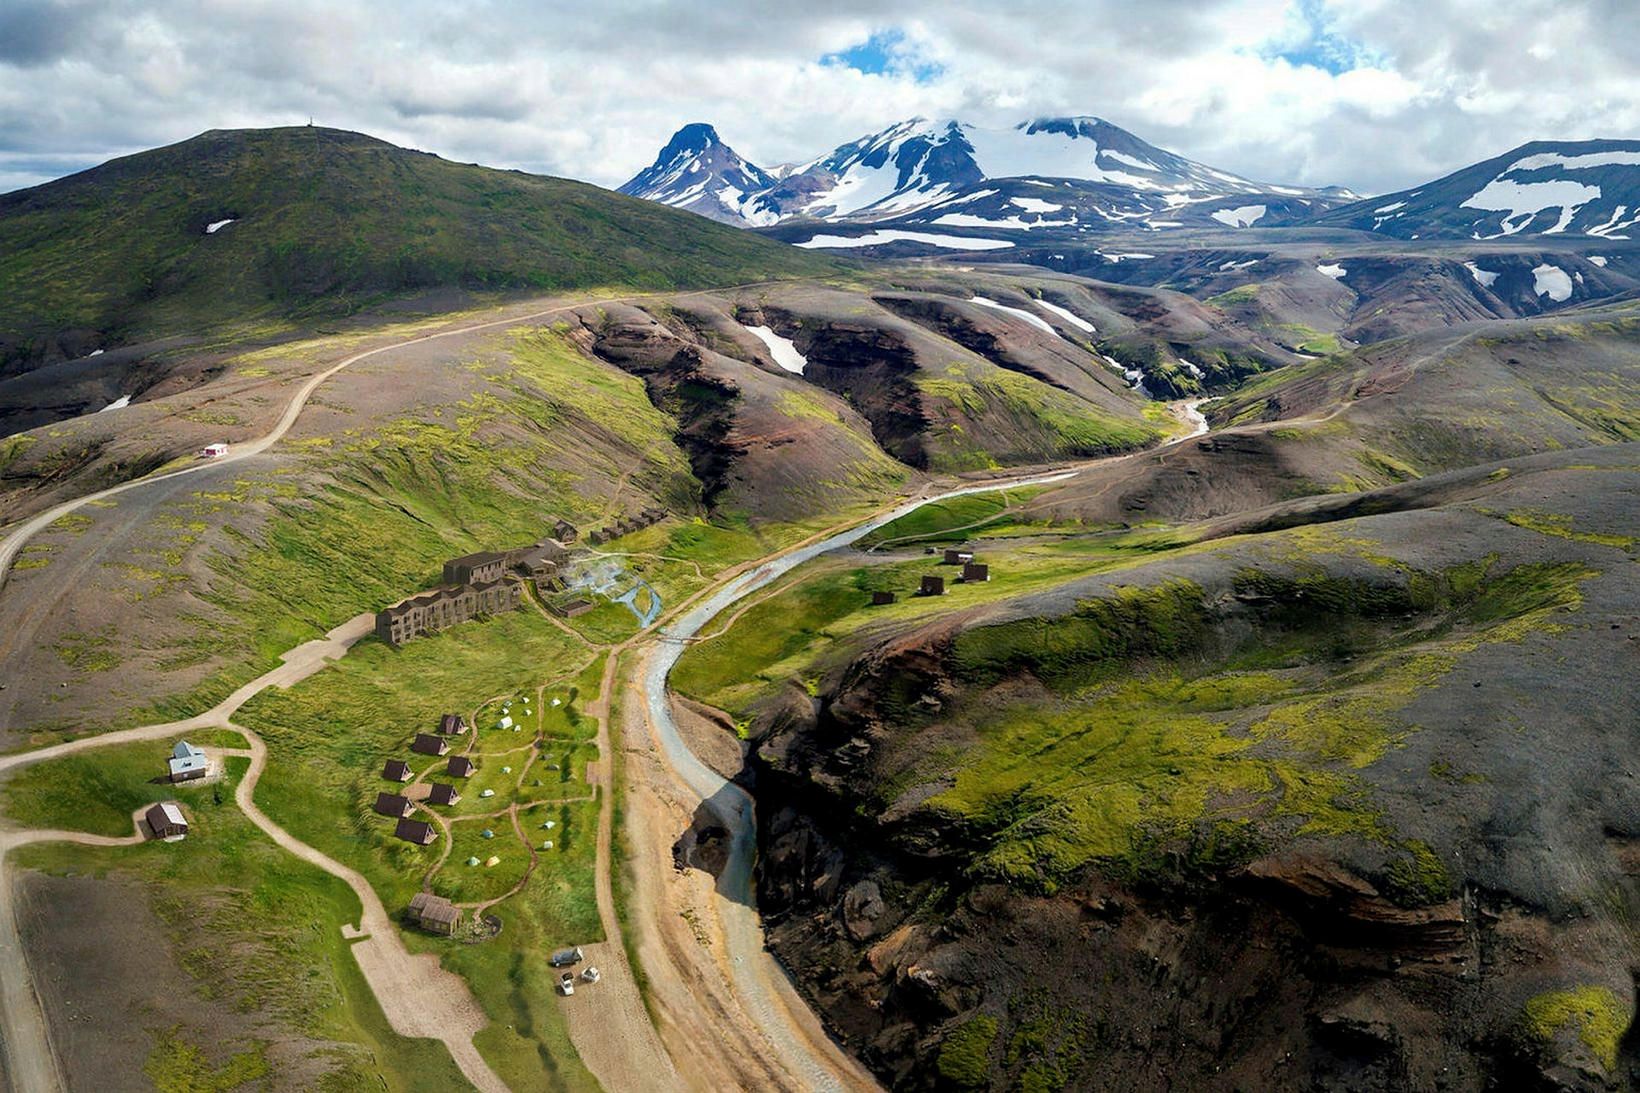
(188,762)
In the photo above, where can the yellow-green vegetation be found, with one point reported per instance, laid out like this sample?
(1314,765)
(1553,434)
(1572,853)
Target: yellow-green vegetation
(1599,1016)
(12,448)
(98,789)
(260,932)
(328,738)
(1241,294)
(964,1058)
(1111,750)
(391,505)
(178,1066)
(781,636)
(954,518)
(1560,526)
(1039,421)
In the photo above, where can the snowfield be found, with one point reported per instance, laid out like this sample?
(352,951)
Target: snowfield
(785,354)
(1243,216)
(1068,315)
(1552,281)
(1035,320)
(118,404)
(878,238)
(1524,200)
(1484,276)
(218,225)
(1335,271)
(1035,204)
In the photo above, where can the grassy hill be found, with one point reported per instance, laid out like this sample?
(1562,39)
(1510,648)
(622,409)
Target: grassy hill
(322,221)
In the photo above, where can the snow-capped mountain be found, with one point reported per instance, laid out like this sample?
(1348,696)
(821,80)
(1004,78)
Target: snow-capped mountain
(698,172)
(1108,176)
(1589,188)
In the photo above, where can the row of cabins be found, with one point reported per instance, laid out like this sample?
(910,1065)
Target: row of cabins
(931,585)
(626,525)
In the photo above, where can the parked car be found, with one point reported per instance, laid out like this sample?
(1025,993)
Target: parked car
(565,958)
(590,975)
(566,983)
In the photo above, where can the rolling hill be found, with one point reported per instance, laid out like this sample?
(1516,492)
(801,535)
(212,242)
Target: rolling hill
(248,226)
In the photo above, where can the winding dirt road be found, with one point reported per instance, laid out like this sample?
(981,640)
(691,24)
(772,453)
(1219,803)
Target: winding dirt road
(418,997)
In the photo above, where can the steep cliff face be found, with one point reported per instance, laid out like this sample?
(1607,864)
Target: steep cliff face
(1231,822)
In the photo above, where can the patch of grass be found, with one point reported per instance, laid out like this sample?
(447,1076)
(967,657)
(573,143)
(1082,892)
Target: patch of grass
(1118,754)
(964,1058)
(260,931)
(1599,1016)
(97,790)
(1241,294)
(177,1066)
(1560,526)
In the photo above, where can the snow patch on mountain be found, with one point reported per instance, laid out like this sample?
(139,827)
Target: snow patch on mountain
(1484,276)
(878,238)
(1035,320)
(1068,315)
(1553,282)
(1598,259)
(1034,204)
(1335,271)
(783,351)
(1242,216)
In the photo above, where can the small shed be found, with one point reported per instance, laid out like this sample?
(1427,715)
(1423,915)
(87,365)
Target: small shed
(958,557)
(975,571)
(932,586)
(569,609)
(442,793)
(434,913)
(187,762)
(419,832)
(428,744)
(213,451)
(452,724)
(392,804)
(459,766)
(880,598)
(165,821)
(397,770)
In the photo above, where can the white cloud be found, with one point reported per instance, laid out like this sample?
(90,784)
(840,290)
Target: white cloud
(1374,94)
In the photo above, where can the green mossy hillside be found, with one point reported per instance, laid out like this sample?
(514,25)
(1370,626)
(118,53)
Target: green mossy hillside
(323,221)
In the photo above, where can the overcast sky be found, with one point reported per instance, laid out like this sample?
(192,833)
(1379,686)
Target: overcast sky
(1372,94)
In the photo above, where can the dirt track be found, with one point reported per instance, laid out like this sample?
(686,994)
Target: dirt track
(418,997)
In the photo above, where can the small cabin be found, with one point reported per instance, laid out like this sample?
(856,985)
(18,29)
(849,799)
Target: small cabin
(880,598)
(213,451)
(419,832)
(392,804)
(165,821)
(975,571)
(932,586)
(958,557)
(459,767)
(434,913)
(427,744)
(452,724)
(397,770)
(187,762)
(565,532)
(442,793)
